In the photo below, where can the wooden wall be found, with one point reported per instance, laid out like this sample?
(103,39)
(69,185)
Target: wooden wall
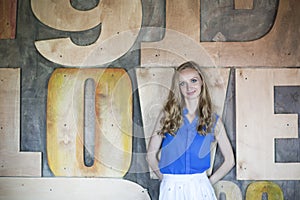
(250,54)
(8,16)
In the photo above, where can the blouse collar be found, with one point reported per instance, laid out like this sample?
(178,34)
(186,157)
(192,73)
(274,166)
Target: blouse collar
(185,112)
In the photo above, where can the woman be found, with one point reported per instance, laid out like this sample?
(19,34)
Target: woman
(184,132)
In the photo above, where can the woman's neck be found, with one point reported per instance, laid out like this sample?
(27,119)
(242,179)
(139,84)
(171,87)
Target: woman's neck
(192,106)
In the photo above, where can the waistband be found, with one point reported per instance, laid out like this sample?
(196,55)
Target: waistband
(184,177)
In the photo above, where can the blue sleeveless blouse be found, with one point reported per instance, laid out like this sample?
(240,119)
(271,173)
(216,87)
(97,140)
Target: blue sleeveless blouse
(187,152)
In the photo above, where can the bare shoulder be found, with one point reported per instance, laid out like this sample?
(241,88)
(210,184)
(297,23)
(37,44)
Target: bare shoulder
(219,128)
(156,137)
(158,124)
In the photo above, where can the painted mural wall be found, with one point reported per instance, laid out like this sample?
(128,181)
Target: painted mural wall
(82,82)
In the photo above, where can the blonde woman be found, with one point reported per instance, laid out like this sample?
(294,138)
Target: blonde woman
(184,132)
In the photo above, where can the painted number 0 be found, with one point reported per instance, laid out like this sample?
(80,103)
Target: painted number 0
(113,122)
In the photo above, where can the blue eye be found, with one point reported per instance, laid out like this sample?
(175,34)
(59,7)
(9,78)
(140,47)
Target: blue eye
(181,84)
(194,80)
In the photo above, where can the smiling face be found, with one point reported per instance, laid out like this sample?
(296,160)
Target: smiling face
(190,83)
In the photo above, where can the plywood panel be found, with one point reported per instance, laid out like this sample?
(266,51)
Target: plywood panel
(230,189)
(257,126)
(280,47)
(8,15)
(70,188)
(257,189)
(59,14)
(158,81)
(120,25)
(12,161)
(113,122)
(243,4)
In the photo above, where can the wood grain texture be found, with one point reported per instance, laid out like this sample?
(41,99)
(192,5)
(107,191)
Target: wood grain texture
(70,188)
(257,126)
(120,26)
(243,4)
(257,189)
(158,81)
(113,122)
(59,14)
(278,48)
(230,189)
(12,161)
(8,17)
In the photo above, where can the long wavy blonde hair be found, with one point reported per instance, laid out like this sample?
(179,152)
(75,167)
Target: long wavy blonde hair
(172,118)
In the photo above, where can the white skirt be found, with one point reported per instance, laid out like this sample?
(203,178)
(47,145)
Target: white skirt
(186,187)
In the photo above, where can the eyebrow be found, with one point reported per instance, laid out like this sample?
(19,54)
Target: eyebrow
(194,77)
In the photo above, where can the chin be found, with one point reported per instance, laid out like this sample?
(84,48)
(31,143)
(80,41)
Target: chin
(192,97)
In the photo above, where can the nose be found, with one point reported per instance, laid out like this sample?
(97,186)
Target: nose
(188,86)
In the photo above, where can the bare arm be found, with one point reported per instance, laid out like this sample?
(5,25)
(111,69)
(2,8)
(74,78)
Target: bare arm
(226,151)
(153,150)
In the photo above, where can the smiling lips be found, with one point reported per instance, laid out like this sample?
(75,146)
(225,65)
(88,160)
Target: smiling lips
(190,93)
